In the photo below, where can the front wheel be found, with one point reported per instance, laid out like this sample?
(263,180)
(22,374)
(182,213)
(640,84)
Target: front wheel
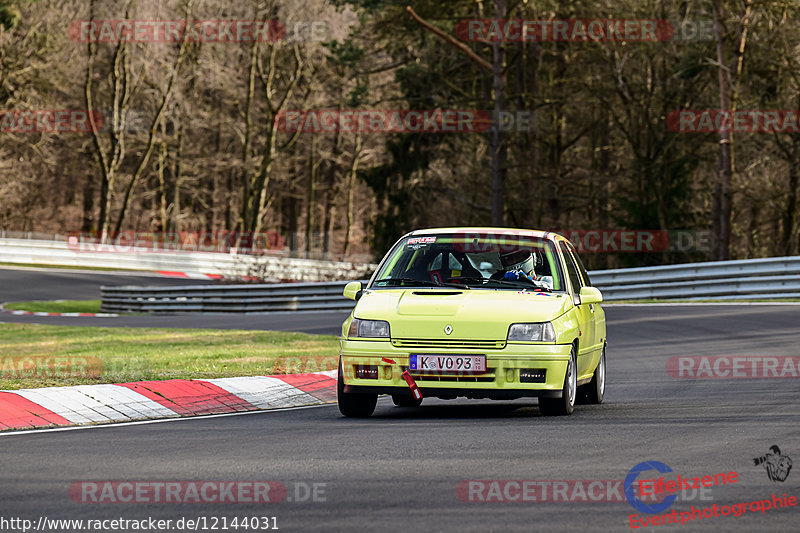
(354,405)
(593,391)
(566,404)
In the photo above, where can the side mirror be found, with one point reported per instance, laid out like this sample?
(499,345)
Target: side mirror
(591,295)
(353,290)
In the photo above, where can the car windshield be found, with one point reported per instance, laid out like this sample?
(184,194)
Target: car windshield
(472,260)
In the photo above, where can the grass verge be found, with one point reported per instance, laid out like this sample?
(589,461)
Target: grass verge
(33,355)
(56,306)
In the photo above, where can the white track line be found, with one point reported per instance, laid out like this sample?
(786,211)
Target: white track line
(9,433)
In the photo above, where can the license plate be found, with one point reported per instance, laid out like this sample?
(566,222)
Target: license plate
(445,363)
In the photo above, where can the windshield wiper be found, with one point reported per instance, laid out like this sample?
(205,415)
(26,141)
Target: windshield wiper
(423,282)
(510,283)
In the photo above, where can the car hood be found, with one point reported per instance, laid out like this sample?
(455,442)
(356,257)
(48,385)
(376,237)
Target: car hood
(472,314)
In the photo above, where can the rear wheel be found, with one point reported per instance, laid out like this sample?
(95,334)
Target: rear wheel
(405,400)
(566,404)
(354,405)
(593,391)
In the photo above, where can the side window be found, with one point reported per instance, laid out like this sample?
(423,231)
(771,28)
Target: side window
(572,270)
(453,263)
(587,281)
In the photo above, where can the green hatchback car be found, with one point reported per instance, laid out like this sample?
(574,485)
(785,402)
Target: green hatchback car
(476,313)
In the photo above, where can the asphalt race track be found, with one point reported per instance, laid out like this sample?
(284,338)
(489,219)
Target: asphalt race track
(399,470)
(318,323)
(52,284)
(25,284)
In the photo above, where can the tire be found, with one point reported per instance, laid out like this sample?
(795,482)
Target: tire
(354,405)
(593,392)
(566,404)
(405,400)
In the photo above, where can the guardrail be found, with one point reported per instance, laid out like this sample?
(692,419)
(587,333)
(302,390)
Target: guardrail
(199,263)
(770,278)
(254,298)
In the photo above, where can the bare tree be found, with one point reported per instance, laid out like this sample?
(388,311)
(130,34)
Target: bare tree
(729,79)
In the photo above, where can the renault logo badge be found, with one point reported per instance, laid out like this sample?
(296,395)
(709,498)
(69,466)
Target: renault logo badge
(448,329)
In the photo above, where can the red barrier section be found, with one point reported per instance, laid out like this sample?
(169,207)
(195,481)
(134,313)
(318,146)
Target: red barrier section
(17,412)
(317,385)
(191,397)
(172,274)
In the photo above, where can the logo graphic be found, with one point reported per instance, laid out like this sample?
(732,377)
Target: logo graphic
(777,466)
(448,329)
(630,485)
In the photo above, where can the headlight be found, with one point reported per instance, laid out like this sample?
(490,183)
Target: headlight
(369,328)
(539,332)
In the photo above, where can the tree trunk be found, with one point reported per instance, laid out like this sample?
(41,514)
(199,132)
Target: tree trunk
(789,219)
(351,187)
(109,158)
(88,222)
(729,76)
(497,148)
(330,194)
(161,163)
(721,206)
(248,128)
(311,194)
(174,221)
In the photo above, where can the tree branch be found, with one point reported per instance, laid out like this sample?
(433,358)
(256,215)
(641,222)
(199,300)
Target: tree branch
(450,39)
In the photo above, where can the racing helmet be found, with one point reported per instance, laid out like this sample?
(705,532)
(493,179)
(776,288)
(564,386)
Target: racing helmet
(518,260)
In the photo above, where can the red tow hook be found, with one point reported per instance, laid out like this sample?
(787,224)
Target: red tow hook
(415,392)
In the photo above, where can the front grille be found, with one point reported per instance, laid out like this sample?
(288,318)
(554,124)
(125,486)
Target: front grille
(449,343)
(453,377)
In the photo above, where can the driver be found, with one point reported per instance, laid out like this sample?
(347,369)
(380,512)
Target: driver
(518,265)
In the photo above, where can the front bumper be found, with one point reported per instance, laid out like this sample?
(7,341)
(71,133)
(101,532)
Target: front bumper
(500,381)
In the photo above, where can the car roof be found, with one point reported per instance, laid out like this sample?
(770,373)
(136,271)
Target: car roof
(492,230)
